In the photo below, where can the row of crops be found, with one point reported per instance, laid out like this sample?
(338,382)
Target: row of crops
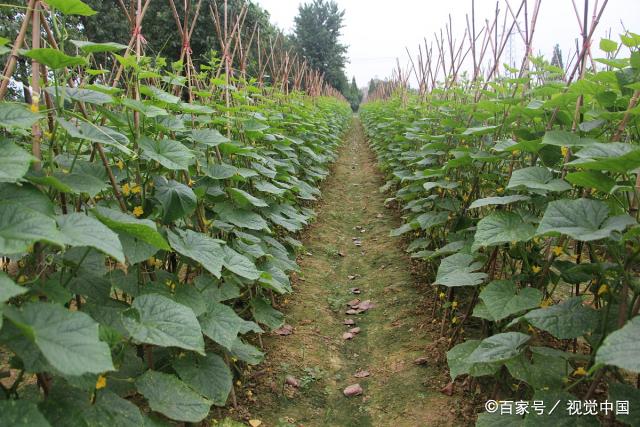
(521,199)
(144,237)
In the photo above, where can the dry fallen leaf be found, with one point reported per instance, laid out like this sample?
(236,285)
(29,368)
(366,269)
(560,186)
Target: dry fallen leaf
(353,390)
(448,389)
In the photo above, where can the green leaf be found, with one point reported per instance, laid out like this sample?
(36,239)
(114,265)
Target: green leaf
(561,138)
(67,339)
(177,199)
(592,179)
(159,94)
(240,264)
(27,196)
(14,161)
(613,156)
(240,217)
(199,247)
(161,321)
(537,178)
(607,45)
(582,219)
(169,153)
(221,324)
(502,300)
(457,359)
(20,227)
(171,397)
(458,270)
(569,319)
(142,229)
(209,137)
(245,199)
(502,227)
(91,47)
(499,348)
(622,347)
(499,200)
(111,410)
(54,59)
(81,95)
(264,313)
(95,133)
(71,7)
(209,375)
(8,289)
(429,220)
(618,392)
(77,229)
(21,413)
(14,115)
(221,171)
(246,352)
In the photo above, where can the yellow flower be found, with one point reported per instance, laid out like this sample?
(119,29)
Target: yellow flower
(565,151)
(101,383)
(546,303)
(238,383)
(191,182)
(465,197)
(454,304)
(47,134)
(558,250)
(138,211)
(441,295)
(454,320)
(499,190)
(249,393)
(126,190)
(34,108)
(120,164)
(136,189)
(516,153)
(22,279)
(580,372)
(536,269)
(603,289)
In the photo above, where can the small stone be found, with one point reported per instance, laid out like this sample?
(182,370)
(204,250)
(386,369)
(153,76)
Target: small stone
(351,277)
(349,322)
(421,361)
(341,254)
(353,390)
(355,291)
(353,302)
(347,336)
(448,389)
(364,305)
(292,381)
(355,330)
(284,330)
(361,374)
(352,311)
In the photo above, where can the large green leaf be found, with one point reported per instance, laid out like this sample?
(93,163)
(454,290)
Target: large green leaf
(504,200)
(54,58)
(622,347)
(240,264)
(158,320)
(502,300)
(245,199)
(591,179)
(171,397)
(142,229)
(77,229)
(177,200)
(240,217)
(14,115)
(21,413)
(210,137)
(569,319)
(21,226)
(91,47)
(459,270)
(459,364)
(71,7)
(159,94)
(264,313)
(8,289)
(81,95)
(537,178)
(581,219)
(221,324)
(563,138)
(502,227)
(209,375)
(169,153)
(27,196)
(614,156)
(499,348)
(200,248)
(67,339)
(246,352)
(95,133)
(14,161)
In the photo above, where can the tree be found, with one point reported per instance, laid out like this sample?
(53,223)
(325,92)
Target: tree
(556,59)
(355,95)
(317,38)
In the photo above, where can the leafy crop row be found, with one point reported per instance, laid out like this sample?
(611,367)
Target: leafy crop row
(524,206)
(143,244)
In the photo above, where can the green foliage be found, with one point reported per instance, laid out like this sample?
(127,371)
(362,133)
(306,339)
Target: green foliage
(149,235)
(540,222)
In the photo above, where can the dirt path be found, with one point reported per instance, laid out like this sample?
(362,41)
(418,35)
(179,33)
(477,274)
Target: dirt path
(397,392)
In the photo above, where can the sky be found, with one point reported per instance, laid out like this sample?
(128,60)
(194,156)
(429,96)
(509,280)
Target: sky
(377,32)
